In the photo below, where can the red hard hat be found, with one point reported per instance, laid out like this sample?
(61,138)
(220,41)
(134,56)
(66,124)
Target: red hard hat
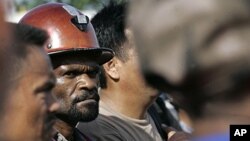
(70,31)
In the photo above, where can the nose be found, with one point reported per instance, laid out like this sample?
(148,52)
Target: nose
(86,82)
(53,104)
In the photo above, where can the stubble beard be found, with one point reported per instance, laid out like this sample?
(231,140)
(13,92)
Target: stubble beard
(86,114)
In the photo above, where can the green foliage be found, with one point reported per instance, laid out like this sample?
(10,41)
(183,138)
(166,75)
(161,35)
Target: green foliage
(23,5)
(80,4)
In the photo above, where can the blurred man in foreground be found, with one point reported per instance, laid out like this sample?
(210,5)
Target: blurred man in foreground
(202,52)
(28,111)
(4,54)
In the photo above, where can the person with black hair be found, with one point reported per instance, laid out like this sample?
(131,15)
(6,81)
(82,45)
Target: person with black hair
(29,109)
(125,97)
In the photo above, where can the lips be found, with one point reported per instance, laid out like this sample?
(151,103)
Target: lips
(85,97)
(88,100)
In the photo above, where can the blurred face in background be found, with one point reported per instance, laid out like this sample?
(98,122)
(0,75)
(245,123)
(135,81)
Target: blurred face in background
(30,106)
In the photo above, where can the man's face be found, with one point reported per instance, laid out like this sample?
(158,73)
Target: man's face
(131,70)
(76,89)
(134,79)
(31,105)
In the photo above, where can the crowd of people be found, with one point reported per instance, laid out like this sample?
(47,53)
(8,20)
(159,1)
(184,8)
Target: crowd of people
(141,70)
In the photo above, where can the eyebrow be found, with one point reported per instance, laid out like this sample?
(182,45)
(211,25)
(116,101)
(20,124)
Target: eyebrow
(47,83)
(82,68)
(45,86)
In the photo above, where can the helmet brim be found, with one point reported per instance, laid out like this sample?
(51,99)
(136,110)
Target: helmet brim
(99,55)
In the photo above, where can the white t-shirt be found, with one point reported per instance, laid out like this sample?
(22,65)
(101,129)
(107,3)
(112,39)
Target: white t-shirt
(112,126)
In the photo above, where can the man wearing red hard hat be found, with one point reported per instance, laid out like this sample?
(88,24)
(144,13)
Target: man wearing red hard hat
(76,57)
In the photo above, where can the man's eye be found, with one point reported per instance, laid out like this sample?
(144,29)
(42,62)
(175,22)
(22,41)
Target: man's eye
(71,74)
(47,88)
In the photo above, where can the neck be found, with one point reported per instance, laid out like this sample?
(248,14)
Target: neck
(133,105)
(66,129)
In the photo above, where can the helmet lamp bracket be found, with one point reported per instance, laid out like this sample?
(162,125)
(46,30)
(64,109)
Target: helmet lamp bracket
(79,20)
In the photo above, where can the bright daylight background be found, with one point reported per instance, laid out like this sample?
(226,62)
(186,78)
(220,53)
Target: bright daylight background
(15,9)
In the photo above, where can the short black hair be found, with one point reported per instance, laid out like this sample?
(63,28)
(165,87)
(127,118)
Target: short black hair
(23,38)
(26,34)
(109,24)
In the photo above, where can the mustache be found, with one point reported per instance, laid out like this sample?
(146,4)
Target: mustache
(86,95)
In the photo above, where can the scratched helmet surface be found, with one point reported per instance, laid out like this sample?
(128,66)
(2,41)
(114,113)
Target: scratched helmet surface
(70,31)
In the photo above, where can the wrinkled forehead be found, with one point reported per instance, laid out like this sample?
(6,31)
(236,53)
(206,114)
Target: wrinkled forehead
(71,60)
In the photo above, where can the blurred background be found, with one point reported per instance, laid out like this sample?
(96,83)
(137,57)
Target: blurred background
(17,8)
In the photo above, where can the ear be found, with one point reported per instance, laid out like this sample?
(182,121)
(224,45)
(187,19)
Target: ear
(112,68)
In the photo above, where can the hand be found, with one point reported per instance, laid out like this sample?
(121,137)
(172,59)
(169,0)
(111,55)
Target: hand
(174,135)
